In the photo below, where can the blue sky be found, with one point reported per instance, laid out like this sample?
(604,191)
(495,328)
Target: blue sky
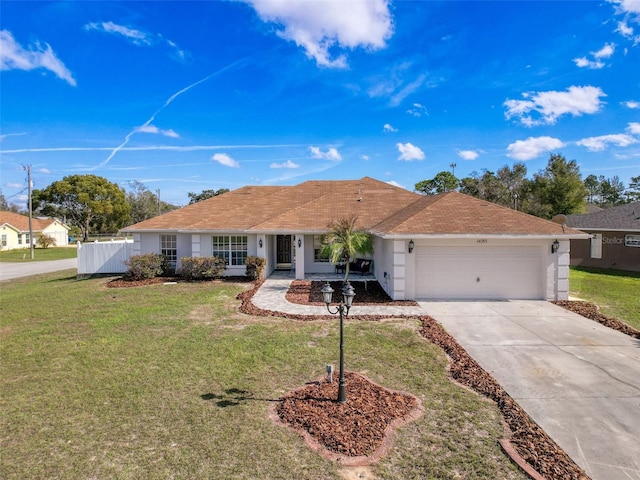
(188,96)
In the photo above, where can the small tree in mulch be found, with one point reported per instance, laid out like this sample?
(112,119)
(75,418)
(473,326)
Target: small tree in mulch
(344,240)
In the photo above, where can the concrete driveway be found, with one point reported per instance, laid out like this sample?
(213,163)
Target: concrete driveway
(9,270)
(579,380)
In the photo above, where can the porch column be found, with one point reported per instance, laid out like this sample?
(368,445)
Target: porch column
(299,246)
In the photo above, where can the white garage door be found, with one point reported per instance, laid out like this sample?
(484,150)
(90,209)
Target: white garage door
(480,272)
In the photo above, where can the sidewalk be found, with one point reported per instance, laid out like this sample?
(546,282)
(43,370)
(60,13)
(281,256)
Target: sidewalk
(271,296)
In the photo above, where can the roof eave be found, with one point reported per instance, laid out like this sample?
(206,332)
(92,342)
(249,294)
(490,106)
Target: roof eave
(510,236)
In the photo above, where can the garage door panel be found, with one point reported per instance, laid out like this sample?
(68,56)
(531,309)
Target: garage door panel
(479,272)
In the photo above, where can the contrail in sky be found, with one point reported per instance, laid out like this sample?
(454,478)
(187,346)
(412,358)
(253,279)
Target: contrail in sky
(166,104)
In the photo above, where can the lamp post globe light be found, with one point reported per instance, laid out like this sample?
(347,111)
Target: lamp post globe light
(343,309)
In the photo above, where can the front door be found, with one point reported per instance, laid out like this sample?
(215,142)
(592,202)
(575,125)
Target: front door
(283,251)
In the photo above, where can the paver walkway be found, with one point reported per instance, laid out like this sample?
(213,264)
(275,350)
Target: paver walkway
(271,296)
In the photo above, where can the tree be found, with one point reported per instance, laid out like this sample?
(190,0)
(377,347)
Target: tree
(506,187)
(442,182)
(592,185)
(4,206)
(46,241)
(144,203)
(611,191)
(557,189)
(344,240)
(198,197)
(88,202)
(633,192)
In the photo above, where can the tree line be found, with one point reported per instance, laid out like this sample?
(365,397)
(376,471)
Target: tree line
(558,188)
(90,204)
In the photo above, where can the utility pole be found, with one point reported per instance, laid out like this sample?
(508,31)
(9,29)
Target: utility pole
(28,169)
(453,169)
(158,201)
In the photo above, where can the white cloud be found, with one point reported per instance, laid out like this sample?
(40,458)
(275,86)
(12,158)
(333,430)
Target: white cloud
(532,147)
(14,185)
(156,130)
(418,110)
(137,37)
(552,104)
(628,6)
(331,154)
(631,104)
(366,158)
(584,62)
(409,152)
(14,56)
(389,128)
(624,29)
(44,171)
(319,27)
(224,159)
(396,184)
(605,52)
(468,154)
(597,144)
(634,128)
(407,90)
(287,164)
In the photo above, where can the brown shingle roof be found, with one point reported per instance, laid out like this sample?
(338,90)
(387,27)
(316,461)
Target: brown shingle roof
(21,222)
(454,213)
(380,207)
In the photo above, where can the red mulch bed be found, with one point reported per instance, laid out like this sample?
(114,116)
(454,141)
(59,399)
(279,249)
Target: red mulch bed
(307,292)
(359,427)
(124,282)
(591,311)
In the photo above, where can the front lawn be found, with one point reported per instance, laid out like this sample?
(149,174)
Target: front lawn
(617,293)
(170,381)
(40,254)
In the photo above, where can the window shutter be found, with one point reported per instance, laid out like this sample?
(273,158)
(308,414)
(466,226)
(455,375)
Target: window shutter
(596,245)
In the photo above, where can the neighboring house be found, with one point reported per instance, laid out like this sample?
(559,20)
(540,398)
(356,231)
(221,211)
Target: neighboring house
(14,230)
(614,238)
(443,246)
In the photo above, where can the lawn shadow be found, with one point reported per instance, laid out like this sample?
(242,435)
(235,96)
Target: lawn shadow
(233,397)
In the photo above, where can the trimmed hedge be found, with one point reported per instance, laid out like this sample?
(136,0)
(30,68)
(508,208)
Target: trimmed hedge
(255,267)
(201,268)
(141,267)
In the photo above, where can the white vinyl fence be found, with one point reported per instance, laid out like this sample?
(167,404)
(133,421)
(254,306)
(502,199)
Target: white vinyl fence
(104,257)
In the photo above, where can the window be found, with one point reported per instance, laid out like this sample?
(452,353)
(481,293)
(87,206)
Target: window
(233,249)
(19,239)
(4,240)
(632,240)
(27,240)
(317,246)
(169,249)
(596,245)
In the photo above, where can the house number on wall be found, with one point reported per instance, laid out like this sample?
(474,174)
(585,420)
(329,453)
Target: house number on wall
(482,240)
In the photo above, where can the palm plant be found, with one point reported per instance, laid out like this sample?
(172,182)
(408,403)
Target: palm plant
(345,240)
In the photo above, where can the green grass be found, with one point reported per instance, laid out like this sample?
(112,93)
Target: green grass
(169,381)
(40,254)
(616,292)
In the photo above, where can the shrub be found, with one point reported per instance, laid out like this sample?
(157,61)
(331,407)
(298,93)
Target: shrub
(255,267)
(140,267)
(46,241)
(201,268)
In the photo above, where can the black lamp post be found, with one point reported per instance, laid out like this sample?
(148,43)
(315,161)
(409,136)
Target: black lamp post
(343,309)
